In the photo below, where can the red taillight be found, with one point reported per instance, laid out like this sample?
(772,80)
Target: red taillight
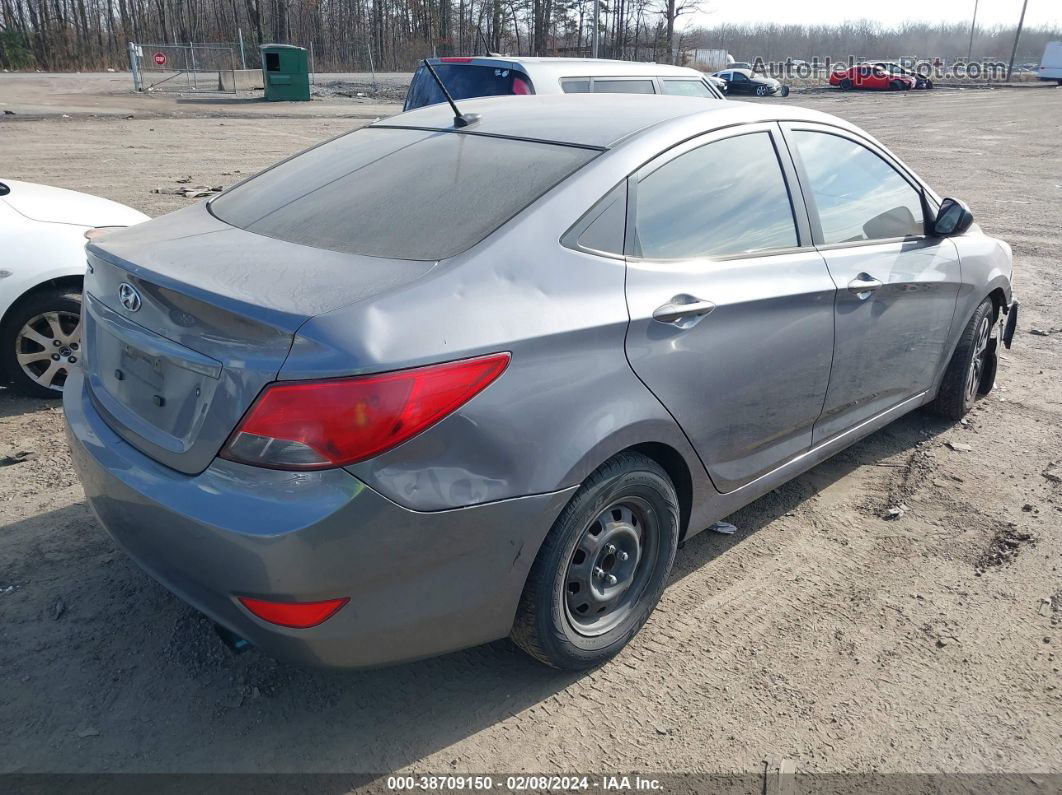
(520,86)
(324,424)
(297,615)
(453,59)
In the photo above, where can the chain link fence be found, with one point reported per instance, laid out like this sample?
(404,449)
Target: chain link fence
(183,68)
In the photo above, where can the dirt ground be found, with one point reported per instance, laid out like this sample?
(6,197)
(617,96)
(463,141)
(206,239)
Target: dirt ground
(93,94)
(821,631)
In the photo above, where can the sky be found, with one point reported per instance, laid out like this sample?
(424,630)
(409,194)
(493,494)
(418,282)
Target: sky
(887,12)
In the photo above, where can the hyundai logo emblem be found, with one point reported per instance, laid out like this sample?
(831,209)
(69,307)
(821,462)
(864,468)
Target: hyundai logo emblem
(129,297)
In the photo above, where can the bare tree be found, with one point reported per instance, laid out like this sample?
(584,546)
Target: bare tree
(92,34)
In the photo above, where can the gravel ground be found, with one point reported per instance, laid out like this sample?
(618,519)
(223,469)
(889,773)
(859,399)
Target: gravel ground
(821,631)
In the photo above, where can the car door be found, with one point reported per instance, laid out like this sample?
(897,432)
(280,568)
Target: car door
(731,306)
(740,84)
(896,286)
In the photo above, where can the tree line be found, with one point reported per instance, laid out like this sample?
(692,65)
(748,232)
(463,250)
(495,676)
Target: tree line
(67,35)
(63,35)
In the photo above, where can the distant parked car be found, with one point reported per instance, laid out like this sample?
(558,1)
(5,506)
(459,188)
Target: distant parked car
(873,77)
(1051,64)
(921,81)
(739,65)
(491,76)
(745,81)
(42,264)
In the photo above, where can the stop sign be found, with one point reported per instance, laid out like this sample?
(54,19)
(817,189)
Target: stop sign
(160,58)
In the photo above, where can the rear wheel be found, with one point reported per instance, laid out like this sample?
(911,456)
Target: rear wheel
(603,566)
(40,342)
(970,371)
(846,85)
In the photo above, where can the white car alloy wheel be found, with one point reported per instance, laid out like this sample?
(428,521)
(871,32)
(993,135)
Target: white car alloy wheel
(47,346)
(40,342)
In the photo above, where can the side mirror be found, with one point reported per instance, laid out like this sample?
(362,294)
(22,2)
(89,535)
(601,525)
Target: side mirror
(953,218)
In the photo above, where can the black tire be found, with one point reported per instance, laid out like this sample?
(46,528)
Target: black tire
(546,625)
(846,85)
(64,302)
(956,396)
(761,91)
(896,85)
(929,85)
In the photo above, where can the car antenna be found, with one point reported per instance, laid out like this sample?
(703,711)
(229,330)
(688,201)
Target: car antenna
(486,47)
(460,119)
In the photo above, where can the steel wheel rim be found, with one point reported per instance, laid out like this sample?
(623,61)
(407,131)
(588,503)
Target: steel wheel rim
(977,363)
(610,566)
(47,346)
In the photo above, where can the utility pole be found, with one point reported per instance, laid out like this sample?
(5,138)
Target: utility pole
(1017,35)
(593,39)
(973,27)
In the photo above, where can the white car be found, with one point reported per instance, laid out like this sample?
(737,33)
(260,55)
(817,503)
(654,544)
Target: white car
(501,75)
(42,265)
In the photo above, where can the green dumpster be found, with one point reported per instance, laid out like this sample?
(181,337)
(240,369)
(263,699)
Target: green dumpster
(285,73)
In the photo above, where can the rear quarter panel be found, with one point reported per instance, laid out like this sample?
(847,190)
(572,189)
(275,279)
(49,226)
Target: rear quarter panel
(568,400)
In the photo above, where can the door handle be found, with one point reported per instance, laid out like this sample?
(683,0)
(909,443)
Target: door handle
(863,285)
(682,307)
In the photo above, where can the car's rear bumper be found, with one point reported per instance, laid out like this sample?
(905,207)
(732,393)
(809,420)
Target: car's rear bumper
(419,583)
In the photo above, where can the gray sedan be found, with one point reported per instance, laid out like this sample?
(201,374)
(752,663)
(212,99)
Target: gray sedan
(427,385)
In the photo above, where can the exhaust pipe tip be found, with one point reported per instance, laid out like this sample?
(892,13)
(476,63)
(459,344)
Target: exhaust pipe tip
(236,644)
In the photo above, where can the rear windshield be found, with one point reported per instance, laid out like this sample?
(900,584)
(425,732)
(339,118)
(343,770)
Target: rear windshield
(464,81)
(407,194)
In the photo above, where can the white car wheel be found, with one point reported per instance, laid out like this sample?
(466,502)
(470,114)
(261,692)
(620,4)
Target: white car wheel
(42,342)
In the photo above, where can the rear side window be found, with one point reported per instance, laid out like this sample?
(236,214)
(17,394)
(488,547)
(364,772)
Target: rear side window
(722,199)
(608,86)
(576,85)
(687,88)
(464,81)
(857,194)
(407,194)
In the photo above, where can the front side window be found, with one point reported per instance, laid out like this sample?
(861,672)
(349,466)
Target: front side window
(405,194)
(724,198)
(858,195)
(687,88)
(606,86)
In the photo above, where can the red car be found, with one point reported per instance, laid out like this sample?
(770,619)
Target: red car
(871,76)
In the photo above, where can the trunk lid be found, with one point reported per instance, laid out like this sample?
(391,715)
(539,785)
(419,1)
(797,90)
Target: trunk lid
(208,319)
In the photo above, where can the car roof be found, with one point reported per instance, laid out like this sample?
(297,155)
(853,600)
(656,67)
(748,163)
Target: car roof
(556,68)
(597,120)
